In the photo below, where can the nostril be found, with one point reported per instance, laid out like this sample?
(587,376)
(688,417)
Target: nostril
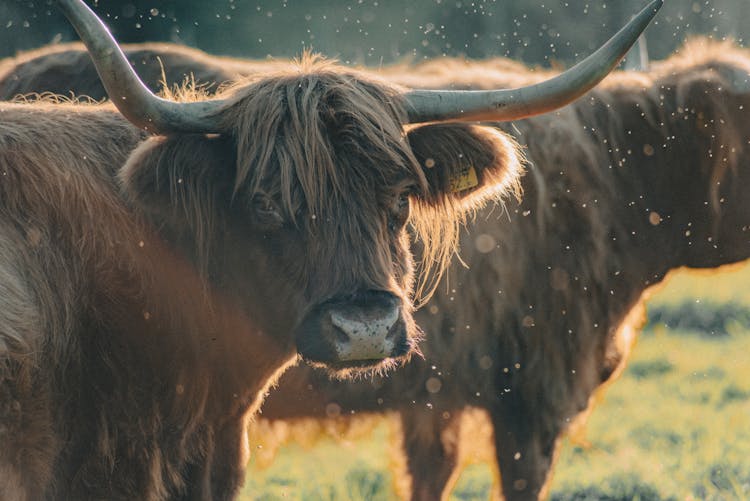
(341,336)
(394,331)
(393,318)
(343,327)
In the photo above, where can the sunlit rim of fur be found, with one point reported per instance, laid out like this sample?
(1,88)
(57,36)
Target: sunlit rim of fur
(440,235)
(52,98)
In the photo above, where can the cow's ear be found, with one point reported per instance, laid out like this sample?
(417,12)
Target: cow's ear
(180,176)
(465,165)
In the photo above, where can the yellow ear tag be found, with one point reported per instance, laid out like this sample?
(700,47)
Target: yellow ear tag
(463,179)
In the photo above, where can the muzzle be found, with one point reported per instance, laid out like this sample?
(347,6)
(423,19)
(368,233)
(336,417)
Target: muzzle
(358,330)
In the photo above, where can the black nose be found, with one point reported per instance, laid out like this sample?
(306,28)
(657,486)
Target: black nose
(366,326)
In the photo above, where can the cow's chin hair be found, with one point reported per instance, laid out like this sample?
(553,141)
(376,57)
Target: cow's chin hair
(362,369)
(356,370)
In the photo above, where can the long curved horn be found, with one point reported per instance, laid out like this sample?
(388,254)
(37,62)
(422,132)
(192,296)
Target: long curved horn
(513,104)
(134,100)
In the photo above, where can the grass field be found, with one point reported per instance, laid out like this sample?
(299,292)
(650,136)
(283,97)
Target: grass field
(676,425)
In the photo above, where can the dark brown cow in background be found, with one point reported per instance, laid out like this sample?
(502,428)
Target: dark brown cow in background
(67,69)
(162,265)
(646,174)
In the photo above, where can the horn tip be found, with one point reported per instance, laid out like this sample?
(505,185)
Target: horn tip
(656,5)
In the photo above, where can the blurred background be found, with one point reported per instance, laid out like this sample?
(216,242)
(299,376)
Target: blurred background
(373,32)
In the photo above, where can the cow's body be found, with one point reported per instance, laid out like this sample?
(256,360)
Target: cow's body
(101,399)
(639,178)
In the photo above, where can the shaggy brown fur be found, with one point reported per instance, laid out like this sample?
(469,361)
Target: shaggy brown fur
(153,287)
(644,175)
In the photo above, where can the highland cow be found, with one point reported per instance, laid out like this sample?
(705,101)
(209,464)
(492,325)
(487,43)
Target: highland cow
(162,265)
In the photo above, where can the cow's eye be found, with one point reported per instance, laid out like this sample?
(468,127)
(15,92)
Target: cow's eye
(266,214)
(399,211)
(403,201)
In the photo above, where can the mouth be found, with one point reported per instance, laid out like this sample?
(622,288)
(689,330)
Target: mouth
(346,369)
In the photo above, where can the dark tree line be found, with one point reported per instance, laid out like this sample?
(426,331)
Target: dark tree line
(380,31)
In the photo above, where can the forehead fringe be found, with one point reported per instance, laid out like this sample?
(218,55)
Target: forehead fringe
(318,136)
(323,139)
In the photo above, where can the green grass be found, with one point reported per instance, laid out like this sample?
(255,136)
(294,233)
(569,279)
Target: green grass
(675,426)
(679,427)
(331,470)
(722,285)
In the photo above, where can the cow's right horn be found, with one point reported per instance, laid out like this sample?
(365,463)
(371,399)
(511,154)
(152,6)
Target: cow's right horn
(513,104)
(134,100)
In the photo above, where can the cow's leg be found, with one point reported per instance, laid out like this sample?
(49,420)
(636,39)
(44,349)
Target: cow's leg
(219,475)
(430,442)
(230,461)
(525,455)
(28,445)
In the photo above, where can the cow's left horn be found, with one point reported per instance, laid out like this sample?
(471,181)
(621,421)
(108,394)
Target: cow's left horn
(513,104)
(134,100)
